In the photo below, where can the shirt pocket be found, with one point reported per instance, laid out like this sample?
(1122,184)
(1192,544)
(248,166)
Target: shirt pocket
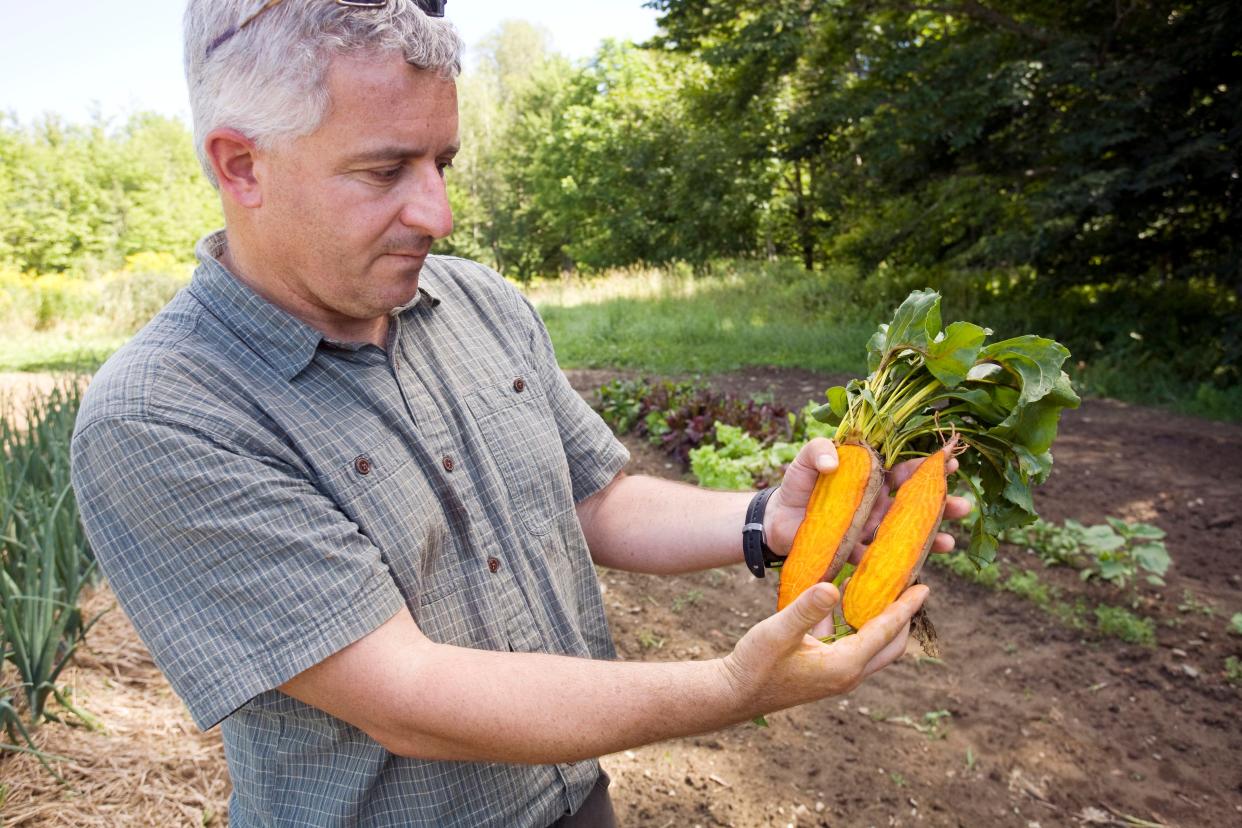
(381,489)
(520,435)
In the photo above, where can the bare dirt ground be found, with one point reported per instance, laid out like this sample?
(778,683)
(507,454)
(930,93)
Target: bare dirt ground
(1032,724)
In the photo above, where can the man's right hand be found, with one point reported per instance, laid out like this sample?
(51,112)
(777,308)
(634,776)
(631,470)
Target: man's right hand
(781,662)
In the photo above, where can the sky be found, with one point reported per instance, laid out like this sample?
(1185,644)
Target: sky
(123,56)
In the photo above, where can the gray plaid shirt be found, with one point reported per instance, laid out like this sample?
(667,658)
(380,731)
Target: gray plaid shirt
(260,497)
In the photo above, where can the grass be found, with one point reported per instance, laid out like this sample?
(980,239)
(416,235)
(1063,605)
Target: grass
(57,351)
(666,321)
(672,323)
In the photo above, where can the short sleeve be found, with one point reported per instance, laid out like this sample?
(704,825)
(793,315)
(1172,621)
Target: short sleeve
(236,571)
(594,453)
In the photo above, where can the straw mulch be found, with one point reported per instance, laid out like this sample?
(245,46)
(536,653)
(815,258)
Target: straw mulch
(148,765)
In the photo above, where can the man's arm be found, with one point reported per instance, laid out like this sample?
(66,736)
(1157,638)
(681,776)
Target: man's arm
(646,524)
(433,701)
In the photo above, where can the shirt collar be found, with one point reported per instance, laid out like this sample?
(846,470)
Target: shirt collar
(283,341)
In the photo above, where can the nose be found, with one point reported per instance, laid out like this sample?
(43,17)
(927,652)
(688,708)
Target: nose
(426,204)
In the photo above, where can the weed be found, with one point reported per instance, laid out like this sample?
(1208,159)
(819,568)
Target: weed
(690,599)
(1233,670)
(960,564)
(1191,603)
(1119,622)
(1026,585)
(897,779)
(649,640)
(970,758)
(1235,623)
(933,725)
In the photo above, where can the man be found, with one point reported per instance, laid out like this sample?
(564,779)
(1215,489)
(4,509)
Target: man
(348,498)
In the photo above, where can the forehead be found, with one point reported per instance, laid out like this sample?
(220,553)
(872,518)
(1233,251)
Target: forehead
(383,98)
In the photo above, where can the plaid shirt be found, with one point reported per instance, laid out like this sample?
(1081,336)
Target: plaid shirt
(260,497)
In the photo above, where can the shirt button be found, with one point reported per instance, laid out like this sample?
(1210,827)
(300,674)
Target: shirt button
(493,564)
(448,463)
(519,385)
(362,465)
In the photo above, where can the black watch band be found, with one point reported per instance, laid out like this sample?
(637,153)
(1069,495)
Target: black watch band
(759,556)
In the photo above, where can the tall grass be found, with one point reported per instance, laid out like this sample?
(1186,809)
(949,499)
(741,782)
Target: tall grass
(672,321)
(675,322)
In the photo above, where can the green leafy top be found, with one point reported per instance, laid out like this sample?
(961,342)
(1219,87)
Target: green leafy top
(1003,400)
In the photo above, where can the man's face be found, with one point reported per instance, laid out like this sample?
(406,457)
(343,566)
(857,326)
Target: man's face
(349,212)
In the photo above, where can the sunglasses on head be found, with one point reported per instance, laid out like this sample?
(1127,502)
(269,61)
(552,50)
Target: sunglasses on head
(432,8)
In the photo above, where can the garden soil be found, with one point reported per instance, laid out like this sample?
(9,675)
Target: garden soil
(1021,722)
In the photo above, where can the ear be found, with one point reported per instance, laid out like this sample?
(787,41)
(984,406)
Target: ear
(232,156)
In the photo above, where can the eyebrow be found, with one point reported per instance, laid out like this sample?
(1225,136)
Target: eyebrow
(394,152)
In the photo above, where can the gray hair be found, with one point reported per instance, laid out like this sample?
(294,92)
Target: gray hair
(269,80)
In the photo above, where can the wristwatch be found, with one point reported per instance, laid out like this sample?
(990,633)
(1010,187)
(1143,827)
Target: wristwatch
(759,556)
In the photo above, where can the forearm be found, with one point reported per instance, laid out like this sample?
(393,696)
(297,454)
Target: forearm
(533,708)
(645,524)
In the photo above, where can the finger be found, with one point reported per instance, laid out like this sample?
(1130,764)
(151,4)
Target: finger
(819,454)
(877,633)
(901,472)
(824,628)
(956,508)
(816,457)
(807,610)
(894,650)
(943,542)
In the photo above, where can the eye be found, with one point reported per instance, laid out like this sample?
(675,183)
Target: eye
(386,175)
(443,166)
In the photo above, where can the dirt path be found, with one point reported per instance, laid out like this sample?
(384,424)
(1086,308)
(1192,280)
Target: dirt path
(1025,723)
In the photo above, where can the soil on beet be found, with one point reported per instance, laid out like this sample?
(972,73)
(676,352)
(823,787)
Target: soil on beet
(1022,722)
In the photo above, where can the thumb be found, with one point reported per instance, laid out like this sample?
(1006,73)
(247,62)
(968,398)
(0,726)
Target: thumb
(807,610)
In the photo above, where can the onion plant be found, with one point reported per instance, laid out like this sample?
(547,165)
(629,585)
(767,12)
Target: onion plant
(45,562)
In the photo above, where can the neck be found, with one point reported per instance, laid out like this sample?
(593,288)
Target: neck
(286,297)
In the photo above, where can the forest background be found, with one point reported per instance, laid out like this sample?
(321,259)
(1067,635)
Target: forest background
(1070,168)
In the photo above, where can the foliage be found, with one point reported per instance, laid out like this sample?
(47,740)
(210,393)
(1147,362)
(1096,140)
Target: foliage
(117,302)
(1084,144)
(595,166)
(1119,622)
(1233,670)
(81,198)
(1235,623)
(1110,621)
(1003,400)
(45,561)
(737,460)
(1114,551)
(728,442)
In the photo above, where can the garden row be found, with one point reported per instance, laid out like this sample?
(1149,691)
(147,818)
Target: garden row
(45,563)
(728,442)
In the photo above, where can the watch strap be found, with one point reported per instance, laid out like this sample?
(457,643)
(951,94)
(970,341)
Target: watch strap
(759,556)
